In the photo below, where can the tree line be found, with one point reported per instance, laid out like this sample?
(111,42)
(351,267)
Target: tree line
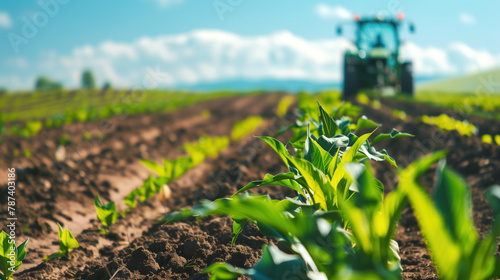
(45,84)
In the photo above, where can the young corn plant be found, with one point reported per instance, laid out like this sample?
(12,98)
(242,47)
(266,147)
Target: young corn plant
(173,169)
(106,213)
(320,248)
(447,226)
(317,170)
(284,104)
(246,126)
(339,227)
(11,256)
(66,243)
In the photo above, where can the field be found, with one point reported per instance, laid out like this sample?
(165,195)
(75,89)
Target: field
(153,159)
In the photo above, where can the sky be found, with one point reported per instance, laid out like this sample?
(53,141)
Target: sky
(164,43)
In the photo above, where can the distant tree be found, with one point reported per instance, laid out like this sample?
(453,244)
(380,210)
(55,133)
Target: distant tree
(88,81)
(45,84)
(106,86)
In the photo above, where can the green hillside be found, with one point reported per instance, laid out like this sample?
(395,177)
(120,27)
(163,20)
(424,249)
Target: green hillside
(483,83)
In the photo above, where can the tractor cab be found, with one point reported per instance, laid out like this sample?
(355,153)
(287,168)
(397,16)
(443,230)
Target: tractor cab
(375,63)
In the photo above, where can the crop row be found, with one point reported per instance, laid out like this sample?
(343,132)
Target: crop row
(479,104)
(57,109)
(443,121)
(12,256)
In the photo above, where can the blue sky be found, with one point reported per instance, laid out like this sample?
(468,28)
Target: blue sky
(120,39)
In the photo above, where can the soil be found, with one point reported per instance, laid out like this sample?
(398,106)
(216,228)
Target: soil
(139,247)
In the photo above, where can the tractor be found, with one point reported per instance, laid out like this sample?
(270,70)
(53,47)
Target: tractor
(375,62)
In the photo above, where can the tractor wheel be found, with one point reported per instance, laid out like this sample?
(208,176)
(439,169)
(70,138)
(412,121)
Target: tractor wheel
(407,78)
(350,78)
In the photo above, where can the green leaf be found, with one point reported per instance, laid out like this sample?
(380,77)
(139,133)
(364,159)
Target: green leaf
(370,152)
(484,264)
(351,152)
(148,189)
(278,147)
(445,252)
(224,271)
(364,122)
(5,250)
(238,225)
(283,179)
(130,199)
(317,182)
(392,207)
(330,128)
(283,129)
(67,241)
(168,167)
(388,158)
(21,250)
(394,134)
(153,166)
(344,125)
(254,208)
(332,144)
(370,190)
(316,155)
(107,213)
(453,201)
(275,264)
(246,126)
(180,166)
(493,197)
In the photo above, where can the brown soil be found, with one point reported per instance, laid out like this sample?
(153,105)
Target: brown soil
(137,247)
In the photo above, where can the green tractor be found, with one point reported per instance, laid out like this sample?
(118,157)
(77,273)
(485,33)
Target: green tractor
(375,63)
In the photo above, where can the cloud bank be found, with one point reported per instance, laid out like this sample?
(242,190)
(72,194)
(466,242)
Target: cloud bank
(203,56)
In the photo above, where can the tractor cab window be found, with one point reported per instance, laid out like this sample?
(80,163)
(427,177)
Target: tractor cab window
(377,35)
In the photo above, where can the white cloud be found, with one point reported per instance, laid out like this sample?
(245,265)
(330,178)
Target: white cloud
(429,60)
(5,21)
(118,50)
(474,60)
(455,59)
(167,3)
(213,55)
(18,62)
(337,12)
(467,19)
(209,55)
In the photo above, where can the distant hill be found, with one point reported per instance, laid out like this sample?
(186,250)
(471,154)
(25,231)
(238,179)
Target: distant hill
(485,82)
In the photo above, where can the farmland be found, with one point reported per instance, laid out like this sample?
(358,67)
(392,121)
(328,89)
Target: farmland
(379,155)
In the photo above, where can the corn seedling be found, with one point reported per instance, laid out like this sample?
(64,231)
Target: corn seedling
(246,126)
(106,213)
(445,122)
(173,169)
(11,256)
(66,243)
(284,104)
